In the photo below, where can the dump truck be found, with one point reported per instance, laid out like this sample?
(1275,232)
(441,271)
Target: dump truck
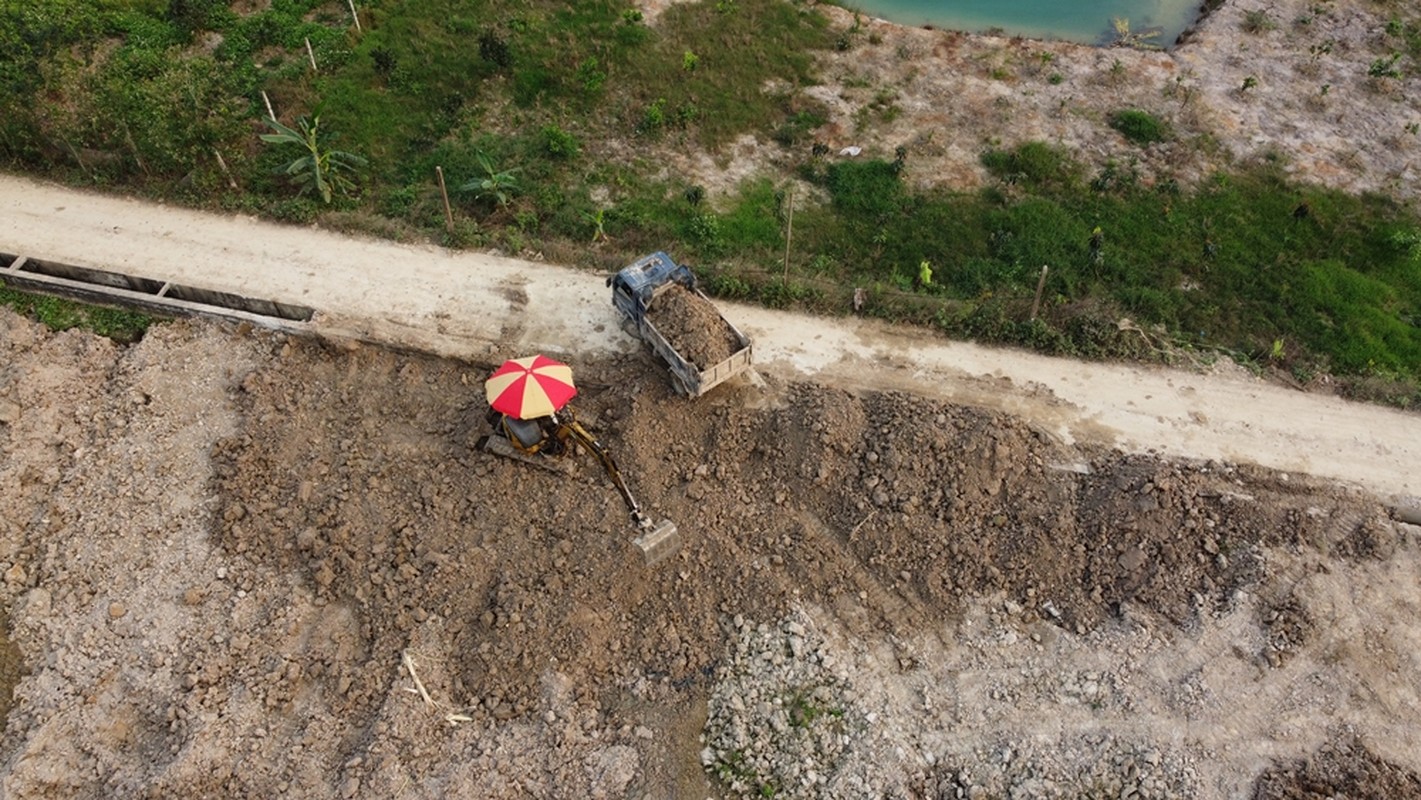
(662,305)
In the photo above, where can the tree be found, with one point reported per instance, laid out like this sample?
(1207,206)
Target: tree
(318,167)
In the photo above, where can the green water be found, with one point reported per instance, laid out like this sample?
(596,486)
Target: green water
(1085,21)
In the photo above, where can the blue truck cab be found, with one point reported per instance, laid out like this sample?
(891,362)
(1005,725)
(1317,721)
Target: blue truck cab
(634,287)
(634,291)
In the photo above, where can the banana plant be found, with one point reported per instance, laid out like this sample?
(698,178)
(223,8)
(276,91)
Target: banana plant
(318,167)
(497,185)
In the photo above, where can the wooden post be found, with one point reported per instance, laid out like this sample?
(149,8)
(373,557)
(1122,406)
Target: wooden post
(221,162)
(354,15)
(789,233)
(443,192)
(1040,284)
(269,111)
(310,54)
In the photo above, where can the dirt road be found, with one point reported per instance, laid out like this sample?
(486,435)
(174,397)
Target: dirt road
(460,304)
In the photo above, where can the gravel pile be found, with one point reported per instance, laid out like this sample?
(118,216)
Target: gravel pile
(782,716)
(1096,766)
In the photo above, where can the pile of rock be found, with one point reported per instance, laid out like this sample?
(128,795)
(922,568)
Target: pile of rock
(1085,768)
(782,716)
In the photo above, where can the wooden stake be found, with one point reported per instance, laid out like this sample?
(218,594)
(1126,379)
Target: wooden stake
(221,162)
(1040,284)
(443,192)
(354,15)
(311,54)
(267,100)
(418,684)
(789,232)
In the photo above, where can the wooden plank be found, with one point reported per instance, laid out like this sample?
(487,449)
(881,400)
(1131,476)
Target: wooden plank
(124,298)
(294,312)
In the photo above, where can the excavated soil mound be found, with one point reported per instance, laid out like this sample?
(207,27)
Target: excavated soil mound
(224,547)
(693,326)
(1342,769)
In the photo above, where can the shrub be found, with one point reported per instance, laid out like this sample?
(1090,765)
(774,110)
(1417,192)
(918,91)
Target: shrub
(1257,21)
(704,230)
(590,76)
(494,49)
(1035,163)
(797,127)
(1385,67)
(1140,126)
(197,15)
(653,119)
(559,143)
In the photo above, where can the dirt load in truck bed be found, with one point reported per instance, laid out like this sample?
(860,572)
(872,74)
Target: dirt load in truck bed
(693,326)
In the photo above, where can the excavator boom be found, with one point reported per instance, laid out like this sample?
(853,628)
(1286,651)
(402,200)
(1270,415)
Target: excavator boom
(658,540)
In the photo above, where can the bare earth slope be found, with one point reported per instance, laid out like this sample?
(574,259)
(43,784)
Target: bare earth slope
(230,552)
(237,563)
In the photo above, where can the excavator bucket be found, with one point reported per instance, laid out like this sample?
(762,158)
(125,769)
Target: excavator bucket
(659,543)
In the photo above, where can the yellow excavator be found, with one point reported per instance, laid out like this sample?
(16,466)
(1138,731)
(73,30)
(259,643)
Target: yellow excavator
(546,441)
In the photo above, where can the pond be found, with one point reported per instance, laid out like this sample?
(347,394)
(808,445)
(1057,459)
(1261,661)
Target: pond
(1157,22)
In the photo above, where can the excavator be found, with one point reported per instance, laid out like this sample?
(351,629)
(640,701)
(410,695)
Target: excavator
(546,441)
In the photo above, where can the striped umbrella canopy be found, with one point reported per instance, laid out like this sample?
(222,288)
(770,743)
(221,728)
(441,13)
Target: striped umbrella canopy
(531,387)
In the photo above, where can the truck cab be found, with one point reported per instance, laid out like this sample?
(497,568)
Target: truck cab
(635,286)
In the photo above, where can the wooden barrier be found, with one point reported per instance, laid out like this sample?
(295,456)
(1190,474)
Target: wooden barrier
(108,288)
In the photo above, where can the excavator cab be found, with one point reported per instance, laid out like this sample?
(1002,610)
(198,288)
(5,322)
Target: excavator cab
(526,433)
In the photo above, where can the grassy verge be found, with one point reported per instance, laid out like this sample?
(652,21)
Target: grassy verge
(1298,280)
(58,314)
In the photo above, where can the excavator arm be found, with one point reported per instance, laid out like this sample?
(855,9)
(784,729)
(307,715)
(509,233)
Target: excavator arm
(544,442)
(585,437)
(658,540)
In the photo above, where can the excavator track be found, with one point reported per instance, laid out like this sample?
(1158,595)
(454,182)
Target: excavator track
(500,446)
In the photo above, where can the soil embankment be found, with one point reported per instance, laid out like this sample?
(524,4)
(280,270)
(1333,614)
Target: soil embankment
(231,542)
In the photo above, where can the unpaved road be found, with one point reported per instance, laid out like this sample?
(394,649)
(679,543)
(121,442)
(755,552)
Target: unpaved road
(458,304)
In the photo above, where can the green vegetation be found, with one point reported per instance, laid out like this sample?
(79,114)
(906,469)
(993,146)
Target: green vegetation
(1257,21)
(1246,261)
(539,111)
(61,315)
(318,167)
(1140,126)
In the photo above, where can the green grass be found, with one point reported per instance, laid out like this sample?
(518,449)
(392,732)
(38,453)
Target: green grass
(58,314)
(1140,126)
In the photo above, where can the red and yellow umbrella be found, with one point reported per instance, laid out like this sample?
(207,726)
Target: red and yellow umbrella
(528,388)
